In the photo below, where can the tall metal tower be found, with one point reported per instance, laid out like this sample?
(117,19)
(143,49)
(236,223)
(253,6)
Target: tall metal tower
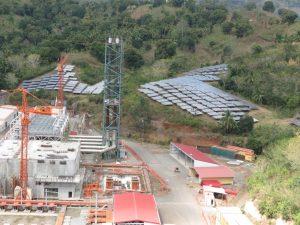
(112,93)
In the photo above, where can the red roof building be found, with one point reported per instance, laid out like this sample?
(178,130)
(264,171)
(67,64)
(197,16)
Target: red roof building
(135,207)
(191,156)
(221,173)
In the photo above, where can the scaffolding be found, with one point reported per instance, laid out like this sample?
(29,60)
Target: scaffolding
(112,93)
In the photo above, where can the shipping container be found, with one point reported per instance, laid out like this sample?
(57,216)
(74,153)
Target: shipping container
(219,151)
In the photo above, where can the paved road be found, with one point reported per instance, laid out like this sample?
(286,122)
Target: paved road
(180,206)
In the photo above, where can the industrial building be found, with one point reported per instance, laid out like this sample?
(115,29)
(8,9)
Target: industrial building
(203,166)
(191,156)
(135,208)
(219,173)
(53,168)
(7,115)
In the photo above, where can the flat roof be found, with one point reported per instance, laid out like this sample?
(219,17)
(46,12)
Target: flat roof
(233,216)
(135,207)
(214,172)
(40,150)
(6,111)
(194,153)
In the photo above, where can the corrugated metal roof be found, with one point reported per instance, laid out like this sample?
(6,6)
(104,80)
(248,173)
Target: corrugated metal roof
(194,153)
(135,206)
(214,172)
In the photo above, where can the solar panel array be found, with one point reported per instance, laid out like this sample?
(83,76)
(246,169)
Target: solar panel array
(190,93)
(71,84)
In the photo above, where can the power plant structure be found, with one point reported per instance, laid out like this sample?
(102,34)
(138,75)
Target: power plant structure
(37,159)
(112,93)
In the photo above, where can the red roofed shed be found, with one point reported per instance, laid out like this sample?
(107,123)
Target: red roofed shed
(135,207)
(192,156)
(221,173)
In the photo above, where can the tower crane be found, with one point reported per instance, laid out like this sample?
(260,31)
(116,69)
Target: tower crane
(25,121)
(60,72)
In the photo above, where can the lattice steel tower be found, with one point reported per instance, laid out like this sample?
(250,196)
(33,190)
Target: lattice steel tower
(112,93)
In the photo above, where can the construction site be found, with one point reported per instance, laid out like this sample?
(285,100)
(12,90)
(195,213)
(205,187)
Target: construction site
(50,175)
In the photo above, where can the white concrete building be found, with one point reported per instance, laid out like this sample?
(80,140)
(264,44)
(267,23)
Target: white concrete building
(7,114)
(53,168)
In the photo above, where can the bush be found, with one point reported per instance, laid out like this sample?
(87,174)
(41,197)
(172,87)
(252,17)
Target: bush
(293,101)
(133,59)
(269,6)
(98,51)
(246,124)
(256,145)
(264,135)
(287,16)
(227,27)
(165,49)
(257,49)
(242,28)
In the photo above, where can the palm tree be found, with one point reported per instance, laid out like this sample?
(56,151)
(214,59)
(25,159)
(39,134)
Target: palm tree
(228,124)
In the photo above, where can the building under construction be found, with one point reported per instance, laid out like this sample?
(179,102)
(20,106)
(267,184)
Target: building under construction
(53,169)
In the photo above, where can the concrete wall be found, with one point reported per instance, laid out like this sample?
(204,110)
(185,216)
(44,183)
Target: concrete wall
(5,123)
(10,168)
(203,164)
(63,190)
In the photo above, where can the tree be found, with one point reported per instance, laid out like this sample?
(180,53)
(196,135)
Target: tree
(157,3)
(255,145)
(227,27)
(177,3)
(49,54)
(133,59)
(243,28)
(250,6)
(165,49)
(246,124)
(269,6)
(218,16)
(33,60)
(287,16)
(98,51)
(5,67)
(228,124)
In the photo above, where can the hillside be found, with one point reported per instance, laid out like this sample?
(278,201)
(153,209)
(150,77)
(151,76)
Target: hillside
(163,41)
(275,185)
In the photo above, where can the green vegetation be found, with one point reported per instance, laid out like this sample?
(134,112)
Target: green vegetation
(287,16)
(264,135)
(276,182)
(256,77)
(269,6)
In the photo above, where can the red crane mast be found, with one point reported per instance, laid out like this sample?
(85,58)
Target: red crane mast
(60,71)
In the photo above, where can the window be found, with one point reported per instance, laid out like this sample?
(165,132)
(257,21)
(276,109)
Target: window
(63,163)
(41,161)
(70,194)
(51,192)
(52,162)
